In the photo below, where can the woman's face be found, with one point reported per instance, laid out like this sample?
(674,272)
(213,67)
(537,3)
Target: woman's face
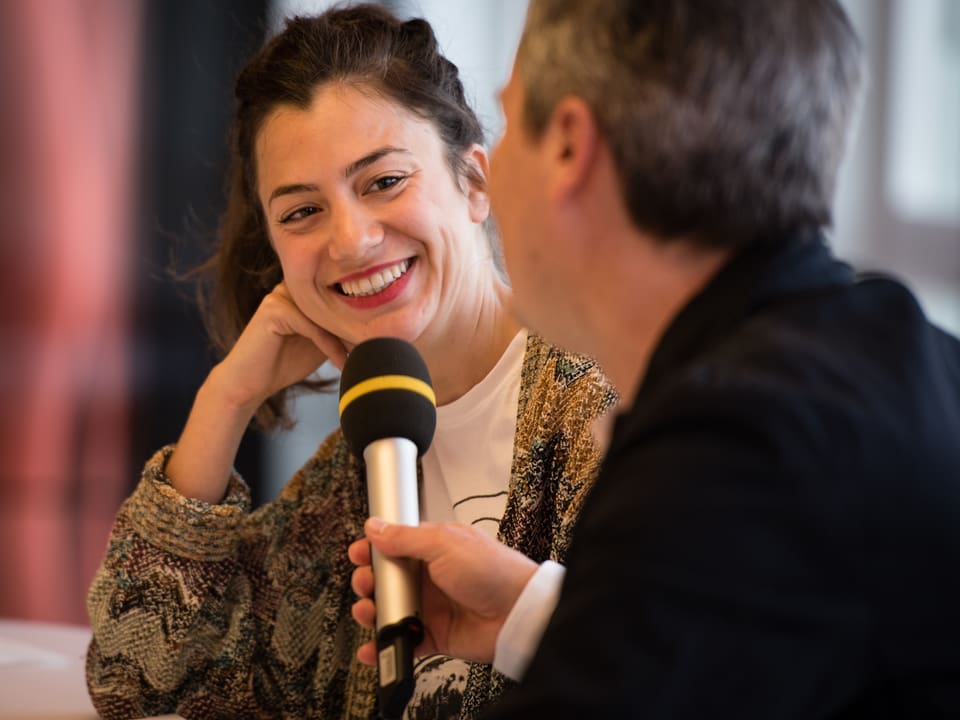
(374,235)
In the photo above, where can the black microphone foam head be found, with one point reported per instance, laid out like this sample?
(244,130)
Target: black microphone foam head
(385,392)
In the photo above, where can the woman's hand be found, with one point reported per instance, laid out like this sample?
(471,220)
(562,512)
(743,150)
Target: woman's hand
(279,347)
(470,584)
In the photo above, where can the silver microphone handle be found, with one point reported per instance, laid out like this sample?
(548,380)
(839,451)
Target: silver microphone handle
(392,496)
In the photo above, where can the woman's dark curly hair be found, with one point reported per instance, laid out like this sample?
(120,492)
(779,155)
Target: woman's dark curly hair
(363,44)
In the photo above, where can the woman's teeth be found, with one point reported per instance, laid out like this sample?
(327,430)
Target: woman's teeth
(375,283)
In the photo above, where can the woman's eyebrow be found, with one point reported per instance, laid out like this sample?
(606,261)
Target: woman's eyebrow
(351,169)
(290,189)
(370,158)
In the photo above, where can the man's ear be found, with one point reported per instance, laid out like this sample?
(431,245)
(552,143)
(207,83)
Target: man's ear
(475,183)
(571,138)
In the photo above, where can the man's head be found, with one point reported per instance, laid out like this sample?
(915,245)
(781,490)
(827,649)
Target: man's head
(726,118)
(647,140)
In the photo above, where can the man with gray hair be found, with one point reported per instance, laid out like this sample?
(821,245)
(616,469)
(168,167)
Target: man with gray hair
(776,528)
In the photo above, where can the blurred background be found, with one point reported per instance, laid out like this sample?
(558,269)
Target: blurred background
(112,173)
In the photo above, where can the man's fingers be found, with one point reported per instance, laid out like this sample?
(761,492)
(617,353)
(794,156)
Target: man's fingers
(364,612)
(367,654)
(362,581)
(419,542)
(359,552)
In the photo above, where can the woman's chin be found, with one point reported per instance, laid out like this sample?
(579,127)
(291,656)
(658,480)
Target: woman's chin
(403,332)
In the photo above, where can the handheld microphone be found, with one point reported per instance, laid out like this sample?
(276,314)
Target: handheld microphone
(388,415)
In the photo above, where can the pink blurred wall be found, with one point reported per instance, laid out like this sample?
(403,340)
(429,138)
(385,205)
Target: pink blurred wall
(68,78)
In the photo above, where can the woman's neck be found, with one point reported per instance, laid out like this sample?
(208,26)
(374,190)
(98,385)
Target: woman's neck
(462,358)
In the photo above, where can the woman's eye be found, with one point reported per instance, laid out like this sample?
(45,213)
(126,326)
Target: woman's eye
(299,214)
(385,183)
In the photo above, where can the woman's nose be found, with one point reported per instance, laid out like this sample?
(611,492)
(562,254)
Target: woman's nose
(355,232)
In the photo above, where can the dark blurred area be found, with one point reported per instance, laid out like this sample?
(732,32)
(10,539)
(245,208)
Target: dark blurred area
(192,52)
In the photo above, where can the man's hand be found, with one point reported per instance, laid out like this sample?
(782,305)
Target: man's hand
(470,583)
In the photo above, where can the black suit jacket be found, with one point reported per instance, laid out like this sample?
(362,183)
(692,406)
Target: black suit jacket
(776,529)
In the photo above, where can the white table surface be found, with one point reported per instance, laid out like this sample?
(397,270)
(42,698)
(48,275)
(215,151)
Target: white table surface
(42,672)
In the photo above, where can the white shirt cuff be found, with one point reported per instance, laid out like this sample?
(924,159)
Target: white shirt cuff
(521,633)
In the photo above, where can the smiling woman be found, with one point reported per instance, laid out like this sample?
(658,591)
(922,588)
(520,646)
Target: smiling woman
(358,208)
(355,185)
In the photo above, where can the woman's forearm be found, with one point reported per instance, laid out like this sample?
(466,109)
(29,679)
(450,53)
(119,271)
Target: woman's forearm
(201,464)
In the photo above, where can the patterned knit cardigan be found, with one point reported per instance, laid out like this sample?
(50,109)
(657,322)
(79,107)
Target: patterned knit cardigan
(211,611)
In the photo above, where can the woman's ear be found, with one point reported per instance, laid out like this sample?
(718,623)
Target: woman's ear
(475,180)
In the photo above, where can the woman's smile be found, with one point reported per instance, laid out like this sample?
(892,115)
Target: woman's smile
(376,286)
(371,283)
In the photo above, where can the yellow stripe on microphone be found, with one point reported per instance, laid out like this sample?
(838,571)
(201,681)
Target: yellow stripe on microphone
(387,382)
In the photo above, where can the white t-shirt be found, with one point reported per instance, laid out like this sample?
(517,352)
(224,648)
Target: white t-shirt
(466,470)
(466,473)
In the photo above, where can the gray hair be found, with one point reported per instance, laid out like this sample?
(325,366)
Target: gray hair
(727,119)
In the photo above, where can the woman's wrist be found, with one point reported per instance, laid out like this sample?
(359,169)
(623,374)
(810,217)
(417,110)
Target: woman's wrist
(202,462)
(219,391)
